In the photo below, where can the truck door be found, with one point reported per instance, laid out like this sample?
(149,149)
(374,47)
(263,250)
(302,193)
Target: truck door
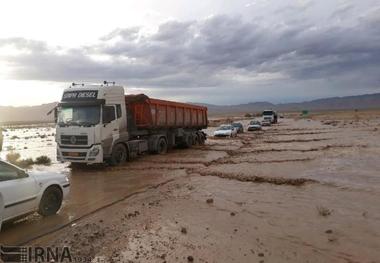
(110,131)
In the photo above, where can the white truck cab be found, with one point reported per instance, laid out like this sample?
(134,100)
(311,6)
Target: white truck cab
(270,115)
(90,120)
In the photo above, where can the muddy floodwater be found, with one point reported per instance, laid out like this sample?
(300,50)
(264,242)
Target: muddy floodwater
(304,190)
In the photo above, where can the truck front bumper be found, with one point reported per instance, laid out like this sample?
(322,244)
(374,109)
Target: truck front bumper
(80,155)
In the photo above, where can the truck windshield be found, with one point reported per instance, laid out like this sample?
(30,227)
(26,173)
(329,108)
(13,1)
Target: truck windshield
(267,112)
(79,115)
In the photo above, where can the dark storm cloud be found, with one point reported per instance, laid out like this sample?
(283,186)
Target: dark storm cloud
(223,52)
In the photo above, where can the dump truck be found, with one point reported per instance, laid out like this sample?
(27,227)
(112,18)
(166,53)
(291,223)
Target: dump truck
(270,115)
(100,124)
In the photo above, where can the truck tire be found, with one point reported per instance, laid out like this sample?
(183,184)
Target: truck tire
(119,154)
(202,138)
(195,139)
(188,141)
(51,201)
(162,146)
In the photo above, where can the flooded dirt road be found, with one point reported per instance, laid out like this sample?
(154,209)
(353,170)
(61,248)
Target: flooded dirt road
(90,191)
(305,190)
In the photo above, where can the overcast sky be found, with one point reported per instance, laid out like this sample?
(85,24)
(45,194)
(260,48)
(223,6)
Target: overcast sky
(222,52)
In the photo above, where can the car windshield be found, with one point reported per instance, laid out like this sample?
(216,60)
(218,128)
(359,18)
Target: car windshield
(225,128)
(79,115)
(254,122)
(236,124)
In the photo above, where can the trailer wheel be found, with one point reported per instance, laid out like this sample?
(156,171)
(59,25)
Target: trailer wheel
(188,141)
(119,154)
(202,139)
(162,146)
(195,139)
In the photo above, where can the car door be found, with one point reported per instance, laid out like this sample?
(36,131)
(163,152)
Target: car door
(18,191)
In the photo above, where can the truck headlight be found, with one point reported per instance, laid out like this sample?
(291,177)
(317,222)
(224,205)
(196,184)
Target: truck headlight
(94,151)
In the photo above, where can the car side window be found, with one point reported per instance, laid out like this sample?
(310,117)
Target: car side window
(8,172)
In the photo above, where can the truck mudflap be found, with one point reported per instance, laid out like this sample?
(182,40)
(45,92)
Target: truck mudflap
(136,147)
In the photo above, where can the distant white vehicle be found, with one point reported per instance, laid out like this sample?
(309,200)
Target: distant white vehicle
(270,115)
(226,130)
(254,126)
(22,193)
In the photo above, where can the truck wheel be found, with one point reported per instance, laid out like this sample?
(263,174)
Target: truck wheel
(51,201)
(202,139)
(162,146)
(195,139)
(188,141)
(119,154)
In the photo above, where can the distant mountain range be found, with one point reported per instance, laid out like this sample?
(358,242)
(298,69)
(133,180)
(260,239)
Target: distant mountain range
(32,114)
(28,114)
(367,101)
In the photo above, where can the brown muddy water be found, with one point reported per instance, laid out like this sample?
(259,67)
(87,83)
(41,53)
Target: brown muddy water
(298,190)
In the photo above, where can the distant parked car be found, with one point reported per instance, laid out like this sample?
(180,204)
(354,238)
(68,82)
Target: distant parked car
(226,130)
(254,126)
(238,126)
(22,193)
(266,122)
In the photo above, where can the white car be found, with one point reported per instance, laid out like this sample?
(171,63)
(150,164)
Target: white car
(23,193)
(254,126)
(226,131)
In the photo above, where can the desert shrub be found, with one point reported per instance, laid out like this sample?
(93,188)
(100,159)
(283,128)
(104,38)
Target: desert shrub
(248,115)
(13,157)
(43,160)
(10,148)
(24,163)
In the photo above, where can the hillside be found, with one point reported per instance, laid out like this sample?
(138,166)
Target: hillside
(369,101)
(29,114)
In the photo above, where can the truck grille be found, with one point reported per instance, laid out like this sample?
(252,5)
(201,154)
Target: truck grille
(74,139)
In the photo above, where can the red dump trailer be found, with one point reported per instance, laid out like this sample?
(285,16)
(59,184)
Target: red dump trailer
(149,113)
(156,125)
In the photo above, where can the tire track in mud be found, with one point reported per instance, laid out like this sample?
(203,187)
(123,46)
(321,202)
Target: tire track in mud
(259,179)
(300,133)
(262,161)
(298,140)
(236,153)
(316,149)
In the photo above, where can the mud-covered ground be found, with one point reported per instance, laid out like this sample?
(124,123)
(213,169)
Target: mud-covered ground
(305,190)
